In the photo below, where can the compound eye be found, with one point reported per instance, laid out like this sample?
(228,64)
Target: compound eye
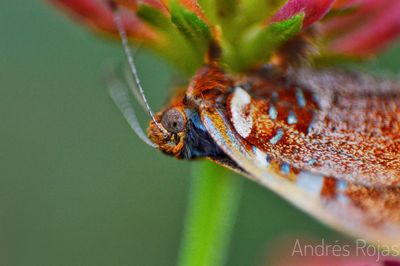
(173,121)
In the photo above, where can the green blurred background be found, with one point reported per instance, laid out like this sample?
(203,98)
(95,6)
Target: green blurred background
(77,187)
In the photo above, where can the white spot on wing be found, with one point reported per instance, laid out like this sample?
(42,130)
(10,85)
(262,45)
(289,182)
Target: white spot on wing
(262,157)
(241,122)
(341,186)
(310,182)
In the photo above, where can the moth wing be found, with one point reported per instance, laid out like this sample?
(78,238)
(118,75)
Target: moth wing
(341,125)
(376,219)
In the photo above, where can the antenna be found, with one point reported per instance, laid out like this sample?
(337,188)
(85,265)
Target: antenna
(133,88)
(124,41)
(120,96)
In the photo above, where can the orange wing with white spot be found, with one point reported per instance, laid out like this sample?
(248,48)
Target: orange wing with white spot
(370,213)
(322,122)
(293,135)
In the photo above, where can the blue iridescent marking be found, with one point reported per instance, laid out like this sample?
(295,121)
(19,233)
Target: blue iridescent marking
(311,162)
(267,159)
(195,117)
(312,122)
(285,168)
(273,113)
(277,137)
(301,101)
(292,119)
(341,185)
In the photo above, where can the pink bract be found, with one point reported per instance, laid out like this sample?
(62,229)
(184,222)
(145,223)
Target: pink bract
(349,27)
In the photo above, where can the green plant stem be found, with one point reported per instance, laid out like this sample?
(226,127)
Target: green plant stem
(213,201)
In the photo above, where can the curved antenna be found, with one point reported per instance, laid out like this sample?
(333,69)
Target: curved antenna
(131,82)
(120,96)
(127,50)
(133,88)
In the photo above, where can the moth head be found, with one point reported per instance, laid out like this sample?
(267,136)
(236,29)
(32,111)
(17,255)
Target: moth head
(170,130)
(167,128)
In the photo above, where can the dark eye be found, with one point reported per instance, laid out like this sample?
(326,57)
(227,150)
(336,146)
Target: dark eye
(173,121)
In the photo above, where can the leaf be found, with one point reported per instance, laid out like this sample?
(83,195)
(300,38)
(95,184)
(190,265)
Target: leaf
(173,44)
(195,30)
(258,43)
(154,17)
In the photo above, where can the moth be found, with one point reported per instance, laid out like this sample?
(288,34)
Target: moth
(326,140)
